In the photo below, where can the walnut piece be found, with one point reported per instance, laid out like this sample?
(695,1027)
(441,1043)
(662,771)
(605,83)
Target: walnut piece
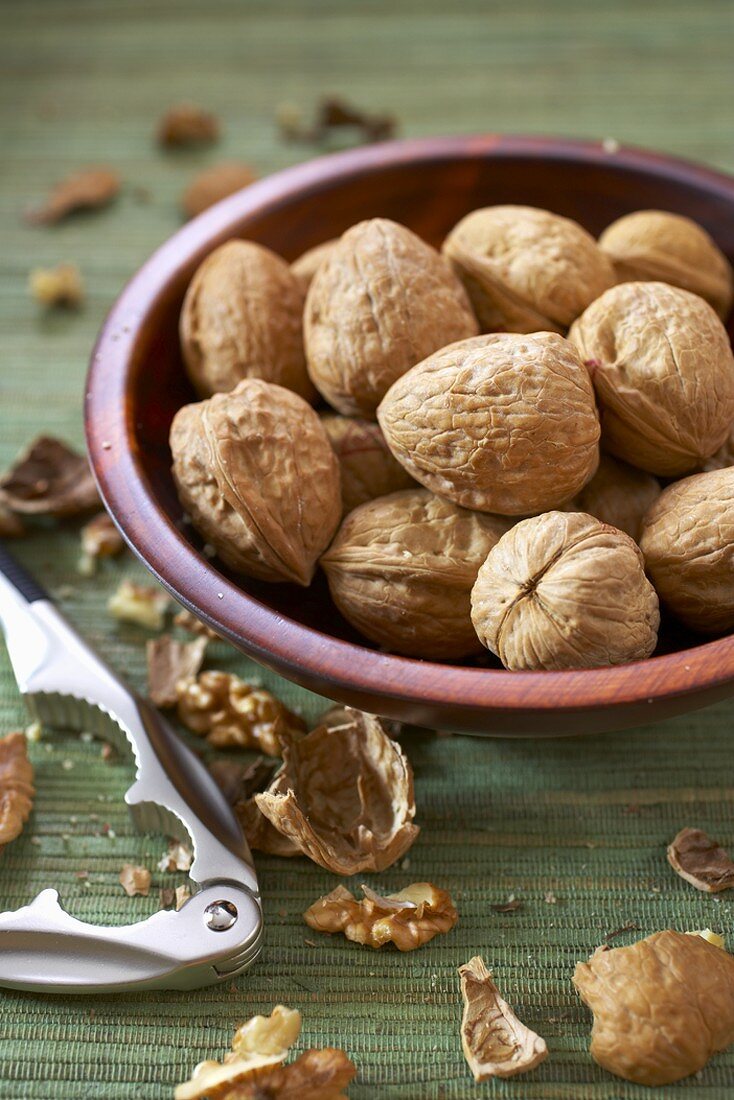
(16,787)
(688,543)
(315,1075)
(186,125)
(619,495)
(242,318)
(140,604)
(401,570)
(478,422)
(57,286)
(495,1042)
(563,590)
(240,783)
(169,662)
(381,301)
(408,919)
(661,1006)
(368,469)
(49,479)
(177,857)
(135,880)
(214,184)
(87,189)
(663,372)
(699,860)
(255,471)
(345,796)
(231,713)
(668,248)
(261,834)
(525,269)
(308,263)
(100,539)
(188,621)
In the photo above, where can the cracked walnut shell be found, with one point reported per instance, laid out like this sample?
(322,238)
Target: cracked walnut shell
(368,468)
(563,590)
(16,787)
(668,248)
(241,318)
(663,372)
(495,1042)
(256,472)
(500,423)
(527,270)
(231,713)
(381,301)
(401,570)
(408,919)
(688,543)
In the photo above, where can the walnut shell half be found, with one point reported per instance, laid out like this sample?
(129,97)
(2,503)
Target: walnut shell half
(381,301)
(401,569)
(256,473)
(368,467)
(658,245)
(563,590)
(501,423)
(525,269)
(688,543)
(241,318)
(663,372)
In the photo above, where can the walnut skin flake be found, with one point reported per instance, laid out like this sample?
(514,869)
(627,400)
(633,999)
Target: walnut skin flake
(661,1006)
(16,787)
(135,880)
(170,662)
(49,479)
(699,860)
(87,189)
(231,713)
(495,1042)
(139,603)
(408,919)
(345,796)
(187,125)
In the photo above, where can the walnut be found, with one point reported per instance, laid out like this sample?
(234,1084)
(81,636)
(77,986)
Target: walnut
(308,263)
(408,919)
(401,570)
(16,787)
(256,473)
(233,714)
(49,479)
(186,125)
(525,269)
(169,662)
(345,796)
(135,880)
(57,286)
(380,302)
(479,423)
(368,468)
(724,456)
(699,860)
(661,1007)
(241,318)
(668,248)
(100,538)
(688,543)
(87,189)
(663,372)
(563,590)
(619,495)
(140,604)
(214,184)
(495,1043)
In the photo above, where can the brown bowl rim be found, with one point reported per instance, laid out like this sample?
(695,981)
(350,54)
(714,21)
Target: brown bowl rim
(272,638)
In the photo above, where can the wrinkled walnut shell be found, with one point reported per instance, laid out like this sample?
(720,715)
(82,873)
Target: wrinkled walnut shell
(501,423)
(526,270)
(663,372)
(256,473)
(401,570)
(308,263)
(368,467)
(619,495)
(668,248)
(563,590)
(724,456)
(241,318)
(688,543)
(381,301)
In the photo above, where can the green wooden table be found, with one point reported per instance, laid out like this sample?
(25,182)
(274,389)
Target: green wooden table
(584,822)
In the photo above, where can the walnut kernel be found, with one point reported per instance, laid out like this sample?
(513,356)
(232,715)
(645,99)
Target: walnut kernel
(408,919)
(57,286)
(231,713)
(140,604)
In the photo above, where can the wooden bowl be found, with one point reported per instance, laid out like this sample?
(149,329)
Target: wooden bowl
(136,384)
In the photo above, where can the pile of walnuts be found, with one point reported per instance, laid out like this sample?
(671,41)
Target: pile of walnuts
(454,491)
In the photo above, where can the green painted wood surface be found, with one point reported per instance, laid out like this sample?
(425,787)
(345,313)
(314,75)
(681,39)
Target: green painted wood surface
(584,821)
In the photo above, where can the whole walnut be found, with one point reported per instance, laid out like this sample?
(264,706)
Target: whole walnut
(688,543)
(379,303)
(663,372)
(401,569)
(563,590)
(256,473)
(307,264)
(368,468)
(241,318)
(525,269)
(500,423)
(654,244)
(619,495)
